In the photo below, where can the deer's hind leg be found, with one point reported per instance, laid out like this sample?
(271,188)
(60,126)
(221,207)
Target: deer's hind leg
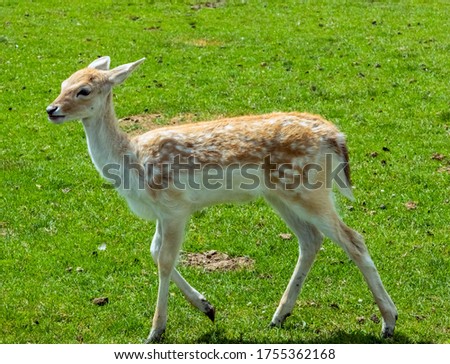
(353,244)
(318,209)
(310,241)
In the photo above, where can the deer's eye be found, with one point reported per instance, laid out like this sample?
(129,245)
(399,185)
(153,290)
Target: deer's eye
(84,92)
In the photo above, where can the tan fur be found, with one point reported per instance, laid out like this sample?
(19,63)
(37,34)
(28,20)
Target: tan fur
(243,139)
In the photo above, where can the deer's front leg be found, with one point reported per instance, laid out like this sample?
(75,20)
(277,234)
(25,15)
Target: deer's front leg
(191,294)
(172,237)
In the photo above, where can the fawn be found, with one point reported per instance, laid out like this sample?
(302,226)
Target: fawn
(290,159)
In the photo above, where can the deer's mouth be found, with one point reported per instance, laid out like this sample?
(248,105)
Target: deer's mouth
(56,118)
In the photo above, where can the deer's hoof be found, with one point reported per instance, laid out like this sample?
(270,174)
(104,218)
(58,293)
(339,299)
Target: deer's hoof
(155,336)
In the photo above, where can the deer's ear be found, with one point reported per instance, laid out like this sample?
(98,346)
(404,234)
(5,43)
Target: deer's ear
(101,63)
(121,73)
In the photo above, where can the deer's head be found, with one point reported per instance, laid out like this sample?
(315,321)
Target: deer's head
(83,95)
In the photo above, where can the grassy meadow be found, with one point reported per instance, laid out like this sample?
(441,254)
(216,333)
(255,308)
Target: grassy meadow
(380,70)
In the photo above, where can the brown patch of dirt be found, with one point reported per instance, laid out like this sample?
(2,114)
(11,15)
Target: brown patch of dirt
(202,43)
(444,170)
(208,5)
(153,28)
(183,119)
(216,261)
(138,124)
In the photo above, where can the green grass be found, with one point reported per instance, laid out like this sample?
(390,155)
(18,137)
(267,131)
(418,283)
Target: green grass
(380,70)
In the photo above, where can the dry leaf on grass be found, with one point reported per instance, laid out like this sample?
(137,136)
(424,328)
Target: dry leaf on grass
(438,156)
(411,205)
(100,301)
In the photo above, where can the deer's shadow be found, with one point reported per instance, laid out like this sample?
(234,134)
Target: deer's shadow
(217,335)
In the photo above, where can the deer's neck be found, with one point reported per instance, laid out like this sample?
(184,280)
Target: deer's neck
(107,144)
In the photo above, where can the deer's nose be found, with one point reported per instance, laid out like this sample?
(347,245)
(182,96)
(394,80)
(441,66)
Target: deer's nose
(51,109)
